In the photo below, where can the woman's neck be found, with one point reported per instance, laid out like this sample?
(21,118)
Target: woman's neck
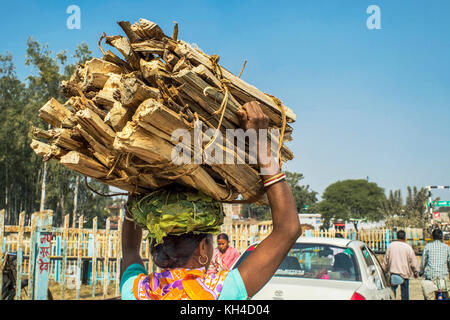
(222,252)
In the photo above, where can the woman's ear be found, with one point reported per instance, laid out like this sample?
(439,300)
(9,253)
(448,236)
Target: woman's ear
(206,246)
(203,246)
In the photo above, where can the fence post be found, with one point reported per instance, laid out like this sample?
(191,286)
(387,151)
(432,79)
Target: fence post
(119,251)
(19,256)
(79,244)
(2,228)
(90,253)
(57,262)
(65,239)
(239,237)
(41,263)
(31,257)
(388,239)
(106,259)
(94,256)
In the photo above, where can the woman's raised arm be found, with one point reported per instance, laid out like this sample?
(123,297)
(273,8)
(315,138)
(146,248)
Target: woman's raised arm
(260,266)
(131,243)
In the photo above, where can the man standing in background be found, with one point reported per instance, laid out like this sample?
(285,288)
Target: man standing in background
(435,265)
(400,261)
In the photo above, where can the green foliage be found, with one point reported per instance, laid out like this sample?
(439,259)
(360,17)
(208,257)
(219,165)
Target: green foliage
(16,193)
(302,196)
(21,171)
(411,213)
(351,199)
(81,55)
(175,212)
(255,211)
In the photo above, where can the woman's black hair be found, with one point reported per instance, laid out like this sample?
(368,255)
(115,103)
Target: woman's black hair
(223,236)
(175,251)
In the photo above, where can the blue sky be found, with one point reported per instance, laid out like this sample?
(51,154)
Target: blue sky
(370,103)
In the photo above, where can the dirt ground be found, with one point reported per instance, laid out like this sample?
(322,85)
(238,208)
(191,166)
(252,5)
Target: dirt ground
(85,292)
(415,290)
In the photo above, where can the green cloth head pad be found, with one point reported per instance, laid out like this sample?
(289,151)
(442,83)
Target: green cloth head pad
(175,212)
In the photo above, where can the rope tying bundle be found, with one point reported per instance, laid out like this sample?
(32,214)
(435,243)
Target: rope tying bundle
(167,166)
(283,127)
(223,106)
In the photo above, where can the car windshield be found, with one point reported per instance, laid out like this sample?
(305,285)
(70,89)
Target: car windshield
(316,261)
(319,261)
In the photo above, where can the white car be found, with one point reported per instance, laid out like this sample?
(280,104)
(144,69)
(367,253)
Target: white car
(326,269)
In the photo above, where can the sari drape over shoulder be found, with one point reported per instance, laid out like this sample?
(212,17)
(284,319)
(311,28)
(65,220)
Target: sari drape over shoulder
(179,284)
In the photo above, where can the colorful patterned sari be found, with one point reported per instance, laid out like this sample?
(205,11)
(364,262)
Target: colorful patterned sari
(179,284)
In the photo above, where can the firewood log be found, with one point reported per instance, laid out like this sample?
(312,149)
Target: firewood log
(54,112)
(118,123)
(95,127)
(47,151)
(118,116)
(124,46)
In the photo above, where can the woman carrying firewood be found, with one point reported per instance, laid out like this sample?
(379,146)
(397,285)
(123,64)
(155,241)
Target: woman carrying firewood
(181,225)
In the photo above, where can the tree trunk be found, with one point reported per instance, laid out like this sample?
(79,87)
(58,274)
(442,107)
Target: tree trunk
(44,175)
(61,215)
(75,200)
(6,183)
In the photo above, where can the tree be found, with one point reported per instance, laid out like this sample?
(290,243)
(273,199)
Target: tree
(21,170)
(411,214)
(352,200)
(393,205)
(13,186)
(45,84)
(302,196)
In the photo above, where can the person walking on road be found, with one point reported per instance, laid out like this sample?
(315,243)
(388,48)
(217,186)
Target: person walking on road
(400,262)
(435,265)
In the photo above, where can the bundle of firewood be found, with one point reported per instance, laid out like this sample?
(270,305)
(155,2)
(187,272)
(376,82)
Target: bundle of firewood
(118,121)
